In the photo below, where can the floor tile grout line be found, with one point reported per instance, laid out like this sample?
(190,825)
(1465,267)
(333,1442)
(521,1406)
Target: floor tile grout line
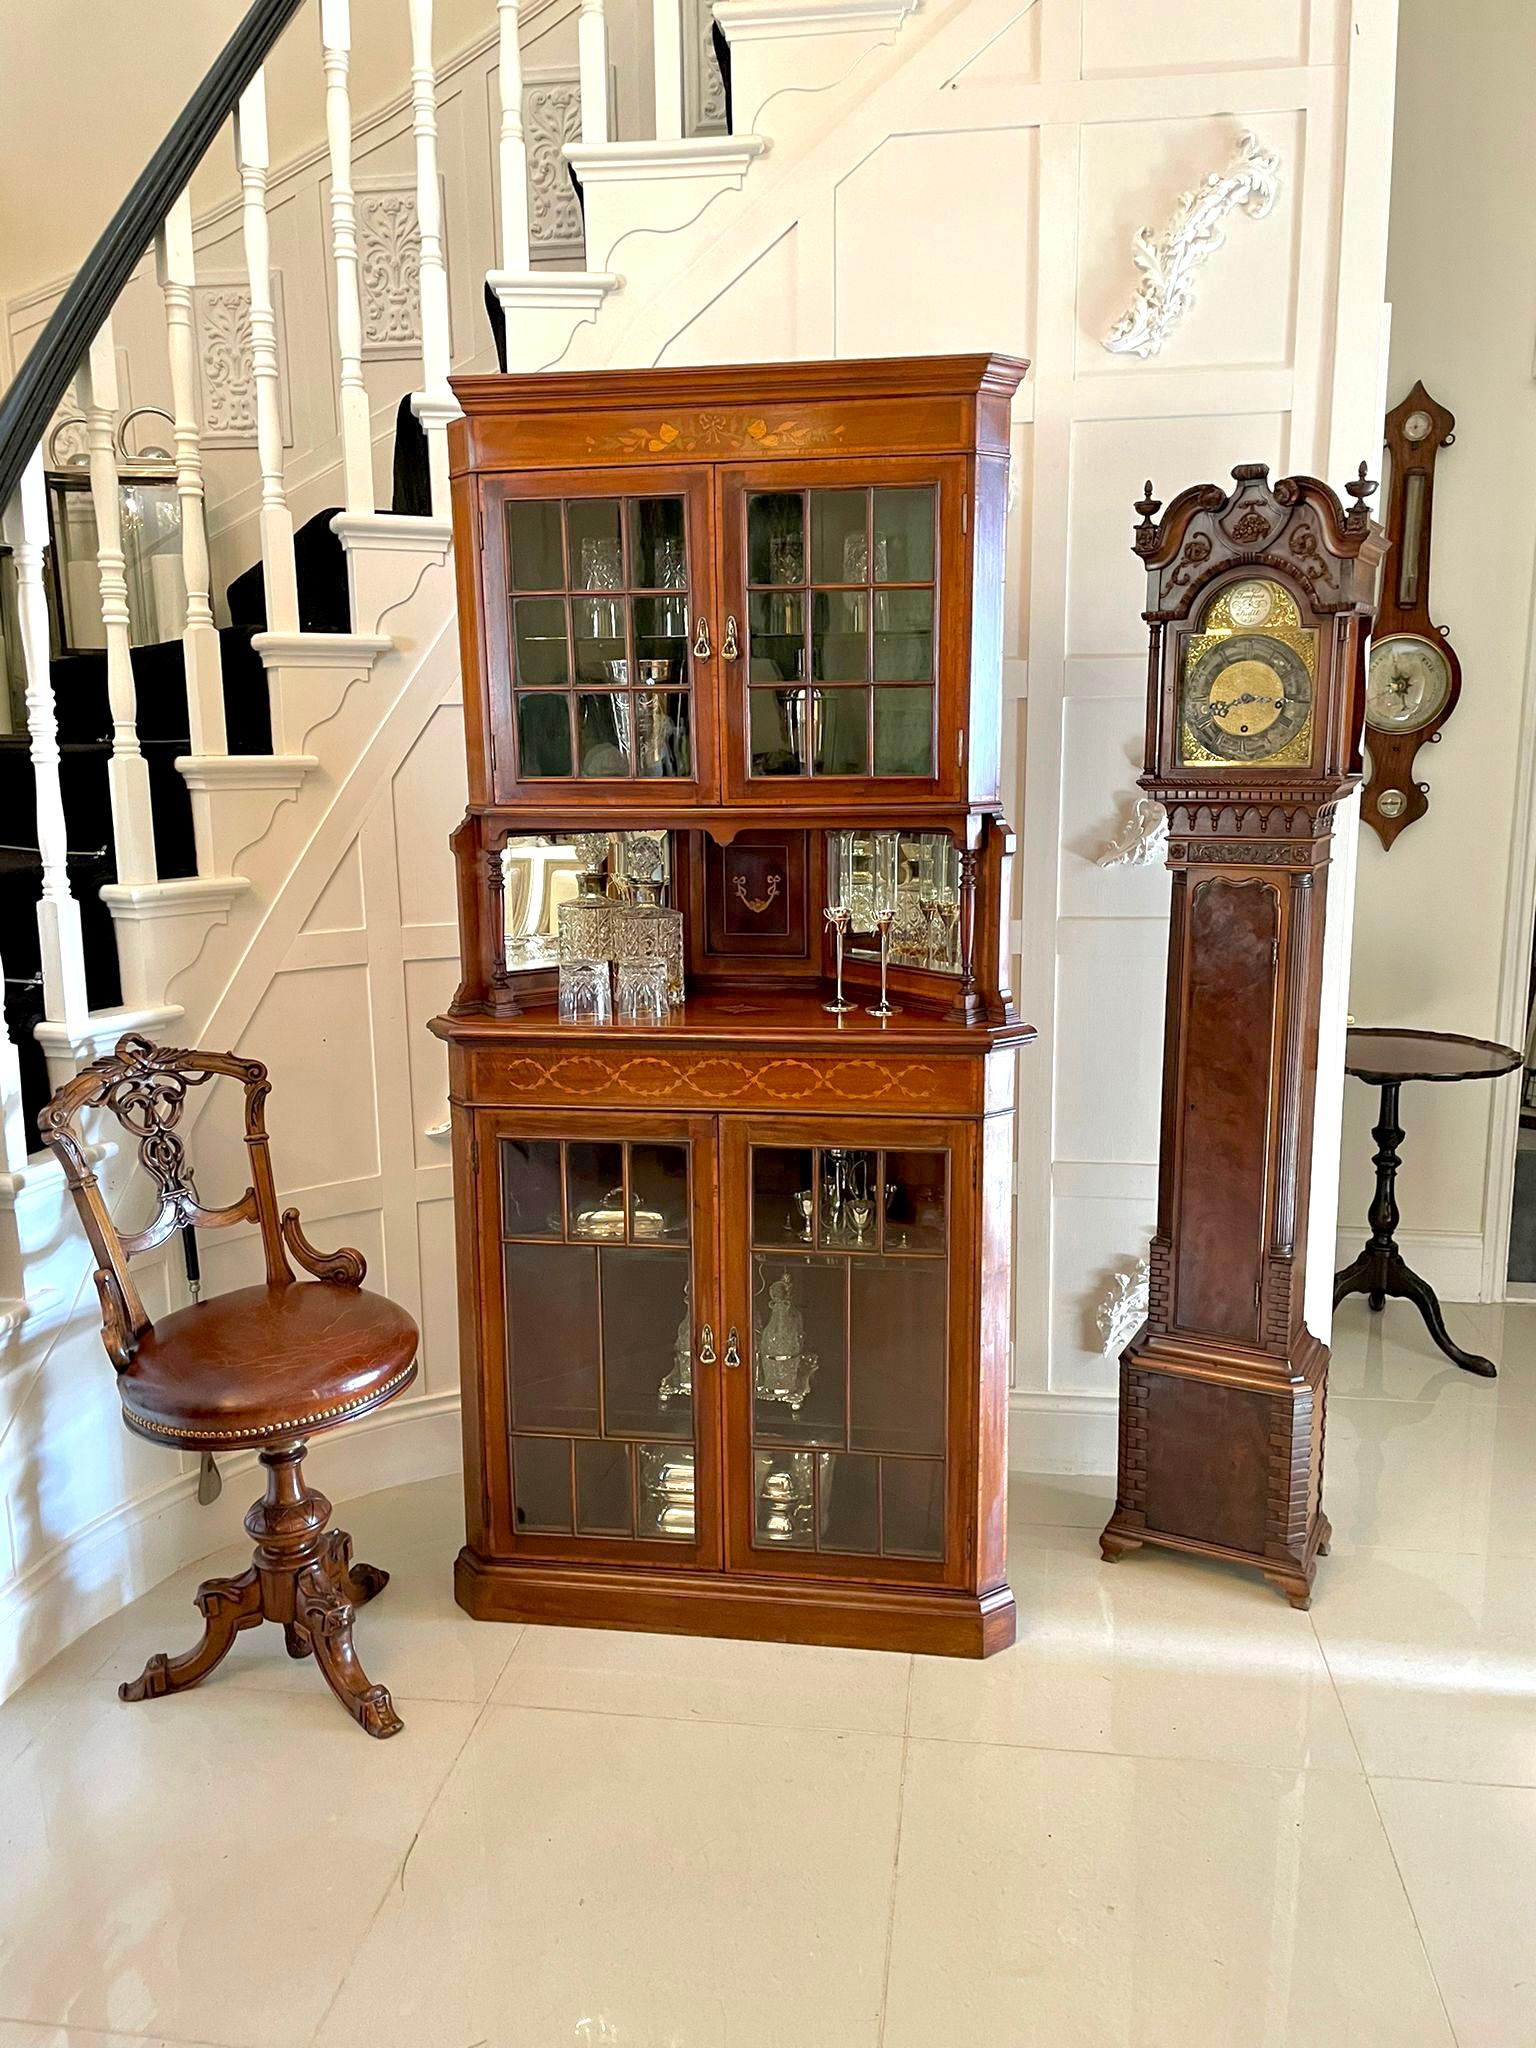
(397,1874)
(68,2028)
(1413,1911)
(901,1800)
(1386,1835)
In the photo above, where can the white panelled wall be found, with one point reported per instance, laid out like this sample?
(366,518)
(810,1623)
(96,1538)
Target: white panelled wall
(965,176)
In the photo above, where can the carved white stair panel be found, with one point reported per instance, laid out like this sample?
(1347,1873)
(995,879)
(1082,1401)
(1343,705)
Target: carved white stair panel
(236,796)
(309,676)
(544,308)
(651,189)
(788,55)
(162,927)
(388,555)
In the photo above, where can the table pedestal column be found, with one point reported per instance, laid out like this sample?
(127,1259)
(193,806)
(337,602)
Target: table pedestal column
(1381,1268)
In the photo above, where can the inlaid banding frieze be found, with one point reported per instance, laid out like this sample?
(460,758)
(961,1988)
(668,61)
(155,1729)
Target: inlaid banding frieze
(539,1075)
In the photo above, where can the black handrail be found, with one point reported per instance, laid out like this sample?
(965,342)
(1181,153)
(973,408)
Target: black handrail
(44,377)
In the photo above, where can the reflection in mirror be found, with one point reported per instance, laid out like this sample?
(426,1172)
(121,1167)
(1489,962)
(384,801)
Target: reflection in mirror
(539,872)
(926,928)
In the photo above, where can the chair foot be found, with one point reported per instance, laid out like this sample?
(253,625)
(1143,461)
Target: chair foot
(227,1606)
(326,1615)
(358,1583)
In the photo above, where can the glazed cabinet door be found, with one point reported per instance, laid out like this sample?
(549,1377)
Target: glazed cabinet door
(844,620)
(597,1241)
(596,607)
(850,1303)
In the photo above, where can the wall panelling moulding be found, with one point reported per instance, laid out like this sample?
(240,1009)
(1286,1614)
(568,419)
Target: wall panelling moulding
(1168,261)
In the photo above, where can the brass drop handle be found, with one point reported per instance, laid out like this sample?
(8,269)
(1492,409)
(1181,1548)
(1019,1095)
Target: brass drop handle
(732,1353)
(706,1345)
(701,640)
(730,650)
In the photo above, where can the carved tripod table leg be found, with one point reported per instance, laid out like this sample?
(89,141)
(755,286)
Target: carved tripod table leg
(227,1606)
(325,1614)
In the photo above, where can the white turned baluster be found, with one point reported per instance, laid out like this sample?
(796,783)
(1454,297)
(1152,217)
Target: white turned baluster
(667,41)
(58,914)
(356,427)
(133,830)
(202,655)
(276,522)
(435,404)
(592,66)
(513,157)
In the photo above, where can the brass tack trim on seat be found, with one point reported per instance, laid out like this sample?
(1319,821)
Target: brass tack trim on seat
(278,1429)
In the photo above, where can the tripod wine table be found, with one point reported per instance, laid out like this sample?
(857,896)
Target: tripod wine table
(1386,1059)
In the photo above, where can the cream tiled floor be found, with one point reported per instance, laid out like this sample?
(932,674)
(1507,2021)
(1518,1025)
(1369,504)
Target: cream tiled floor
(1176,1815)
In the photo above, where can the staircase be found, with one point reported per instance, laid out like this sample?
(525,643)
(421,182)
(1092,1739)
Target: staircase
(173,809)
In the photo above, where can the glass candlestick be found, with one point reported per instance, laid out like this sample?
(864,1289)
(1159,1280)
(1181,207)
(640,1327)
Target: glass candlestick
(838,911)
(884,919)
(886,845)
(837,915)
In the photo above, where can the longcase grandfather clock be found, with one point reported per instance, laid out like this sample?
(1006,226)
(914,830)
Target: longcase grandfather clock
(1259,601)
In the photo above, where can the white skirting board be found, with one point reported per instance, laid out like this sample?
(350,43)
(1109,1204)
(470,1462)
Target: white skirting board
(1450,1260)
(115,1560)
(1062,1433)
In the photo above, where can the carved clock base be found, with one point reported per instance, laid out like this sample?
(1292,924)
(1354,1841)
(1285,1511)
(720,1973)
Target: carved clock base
(1223,1457)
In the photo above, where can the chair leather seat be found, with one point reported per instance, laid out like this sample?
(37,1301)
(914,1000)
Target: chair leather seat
(265,1363)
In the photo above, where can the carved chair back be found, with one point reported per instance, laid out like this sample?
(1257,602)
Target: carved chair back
(145,1087)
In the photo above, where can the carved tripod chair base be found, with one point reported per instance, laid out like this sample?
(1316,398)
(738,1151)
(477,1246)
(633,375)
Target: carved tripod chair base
(302,1577)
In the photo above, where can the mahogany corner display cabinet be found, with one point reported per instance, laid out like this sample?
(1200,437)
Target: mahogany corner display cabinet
(732,1060)
(1259,600)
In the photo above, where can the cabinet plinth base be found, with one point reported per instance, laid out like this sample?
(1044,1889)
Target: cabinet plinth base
(1291,1576)
(1223,1457)
(852,1616)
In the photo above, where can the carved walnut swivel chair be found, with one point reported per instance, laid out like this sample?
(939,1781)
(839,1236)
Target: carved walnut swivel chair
(265,1367)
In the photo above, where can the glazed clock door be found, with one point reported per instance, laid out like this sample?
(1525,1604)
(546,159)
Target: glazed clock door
(599,635)
(844,627)
(850,1304)
(598,1262)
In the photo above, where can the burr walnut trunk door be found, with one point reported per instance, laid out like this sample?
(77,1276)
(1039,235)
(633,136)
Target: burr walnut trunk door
(846,671)
(598,1250)
(849,1282)
(600,635)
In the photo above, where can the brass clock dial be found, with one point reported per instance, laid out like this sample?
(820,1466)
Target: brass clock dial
(1407,684)
(1246,695)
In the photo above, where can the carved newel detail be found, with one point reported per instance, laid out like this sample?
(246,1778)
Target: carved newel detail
(1259,600)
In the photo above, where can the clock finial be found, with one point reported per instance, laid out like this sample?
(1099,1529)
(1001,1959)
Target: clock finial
(1360,487)
(1148,507)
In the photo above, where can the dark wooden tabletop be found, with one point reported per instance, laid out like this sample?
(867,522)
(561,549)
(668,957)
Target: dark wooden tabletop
(1381,1054)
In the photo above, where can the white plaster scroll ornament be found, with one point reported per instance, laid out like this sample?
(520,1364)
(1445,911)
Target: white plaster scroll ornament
(1168,262)
(1123,1310)
(1142,841)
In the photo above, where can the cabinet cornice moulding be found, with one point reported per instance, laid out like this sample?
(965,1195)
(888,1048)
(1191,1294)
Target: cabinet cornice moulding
(1168,261)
